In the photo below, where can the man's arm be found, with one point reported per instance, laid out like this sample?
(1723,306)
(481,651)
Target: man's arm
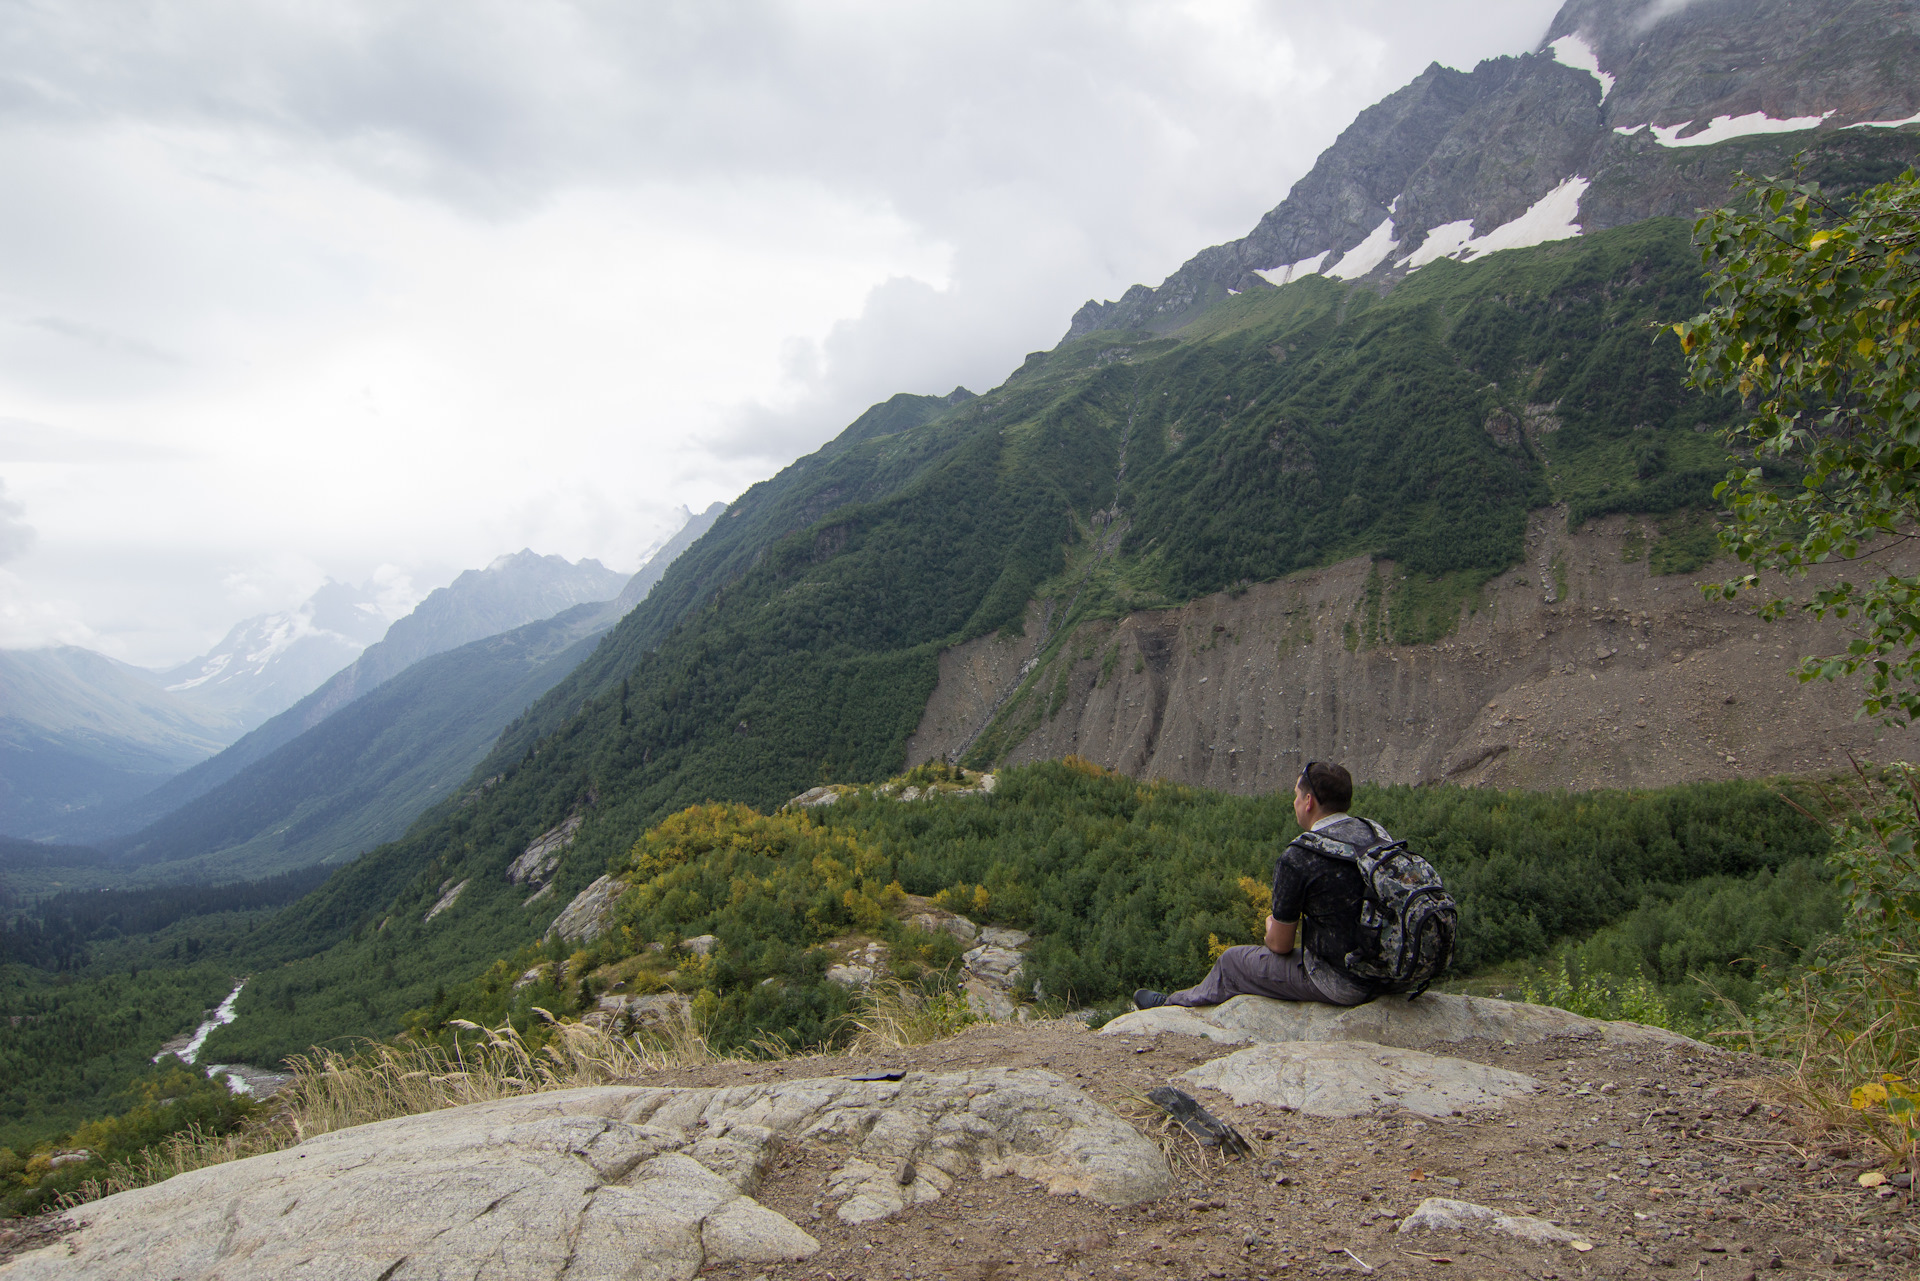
(1280,936)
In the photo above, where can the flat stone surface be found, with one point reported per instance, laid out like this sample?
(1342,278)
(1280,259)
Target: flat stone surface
(600,1183)
(1435,1018)
(1350,1078)
(1438,1214)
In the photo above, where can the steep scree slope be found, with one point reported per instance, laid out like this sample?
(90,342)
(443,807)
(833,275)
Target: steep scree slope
(1630,680)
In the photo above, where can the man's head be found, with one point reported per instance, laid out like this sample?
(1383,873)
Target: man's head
(1321,789)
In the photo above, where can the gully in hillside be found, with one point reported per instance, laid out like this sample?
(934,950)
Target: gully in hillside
(1369,916)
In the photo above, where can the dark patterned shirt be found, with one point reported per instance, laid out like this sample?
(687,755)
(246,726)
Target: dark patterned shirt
(1324,895)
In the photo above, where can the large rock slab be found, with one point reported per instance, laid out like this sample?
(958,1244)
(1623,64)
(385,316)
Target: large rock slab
(610,1182)
(1435,1018)
(1351,1078)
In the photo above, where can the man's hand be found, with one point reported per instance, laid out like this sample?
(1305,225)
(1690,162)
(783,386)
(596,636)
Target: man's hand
(1280,936)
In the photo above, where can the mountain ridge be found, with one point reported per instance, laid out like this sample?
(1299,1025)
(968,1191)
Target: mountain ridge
(1486,146)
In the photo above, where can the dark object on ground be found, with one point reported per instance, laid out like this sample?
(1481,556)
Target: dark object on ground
(22,1235)
(1146,999)
(881,1075)
(1200,1123)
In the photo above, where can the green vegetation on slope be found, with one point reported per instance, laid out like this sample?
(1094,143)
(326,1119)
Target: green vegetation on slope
(1123,884)
(74,1045)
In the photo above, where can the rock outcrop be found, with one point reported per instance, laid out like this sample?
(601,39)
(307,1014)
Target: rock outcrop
(587,917)
(1435,1018)
(606,1182)
(625,1015)
(536,864)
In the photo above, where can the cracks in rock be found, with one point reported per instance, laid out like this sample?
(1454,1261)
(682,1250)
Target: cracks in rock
(574,1231)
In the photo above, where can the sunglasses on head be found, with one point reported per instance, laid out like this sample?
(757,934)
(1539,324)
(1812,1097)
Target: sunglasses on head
(1305,784)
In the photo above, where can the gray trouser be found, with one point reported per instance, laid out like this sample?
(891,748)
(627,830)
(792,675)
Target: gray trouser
(1252,970)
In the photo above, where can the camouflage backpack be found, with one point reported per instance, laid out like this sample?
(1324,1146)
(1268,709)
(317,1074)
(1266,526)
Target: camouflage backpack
(1407,918)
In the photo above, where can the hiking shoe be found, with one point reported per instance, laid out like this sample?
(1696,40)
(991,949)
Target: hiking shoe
(1146,999)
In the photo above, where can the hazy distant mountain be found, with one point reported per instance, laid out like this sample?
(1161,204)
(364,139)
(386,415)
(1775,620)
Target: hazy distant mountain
(79,729)
(362,775)
(642,582)
(268,663)
(511,592)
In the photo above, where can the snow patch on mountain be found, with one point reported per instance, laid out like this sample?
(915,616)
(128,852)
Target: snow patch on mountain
(1444,241)
(1725,128)
(1913,119)
(1368,254)
(1293,271)
(1575,52)
(1555,216)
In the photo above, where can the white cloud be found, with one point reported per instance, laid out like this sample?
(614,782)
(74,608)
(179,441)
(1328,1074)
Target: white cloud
(295,291)
(15,534)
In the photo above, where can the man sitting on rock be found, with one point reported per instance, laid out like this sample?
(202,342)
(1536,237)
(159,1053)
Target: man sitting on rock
(1311,890)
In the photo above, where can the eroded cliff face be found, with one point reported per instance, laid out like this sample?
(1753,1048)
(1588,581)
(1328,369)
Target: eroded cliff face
(1579,669)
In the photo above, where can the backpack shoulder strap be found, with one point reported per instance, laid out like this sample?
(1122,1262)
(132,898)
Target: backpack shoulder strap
(1321,843)
(1334,847)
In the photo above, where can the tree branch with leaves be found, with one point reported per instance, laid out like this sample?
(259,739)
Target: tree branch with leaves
(1815,322)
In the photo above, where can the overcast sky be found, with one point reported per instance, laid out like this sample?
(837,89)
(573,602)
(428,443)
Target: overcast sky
(290,291)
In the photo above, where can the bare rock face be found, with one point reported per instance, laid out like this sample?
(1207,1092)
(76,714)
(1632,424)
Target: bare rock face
(1438,1214)
(449,895)
(536,863)
(601,1183)
(1352,1078)
(1435,1018)
(586,918)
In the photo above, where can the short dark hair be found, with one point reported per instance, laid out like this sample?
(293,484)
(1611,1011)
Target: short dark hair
(1329,784)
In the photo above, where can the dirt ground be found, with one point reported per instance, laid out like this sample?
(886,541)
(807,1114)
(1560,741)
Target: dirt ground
(1662,1161)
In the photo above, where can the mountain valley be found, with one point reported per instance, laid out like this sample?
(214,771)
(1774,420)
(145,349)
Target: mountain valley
(1410,477)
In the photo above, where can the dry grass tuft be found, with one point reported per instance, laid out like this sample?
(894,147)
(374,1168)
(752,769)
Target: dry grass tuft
(378,1081)
(893,1014)
(1188,1158)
